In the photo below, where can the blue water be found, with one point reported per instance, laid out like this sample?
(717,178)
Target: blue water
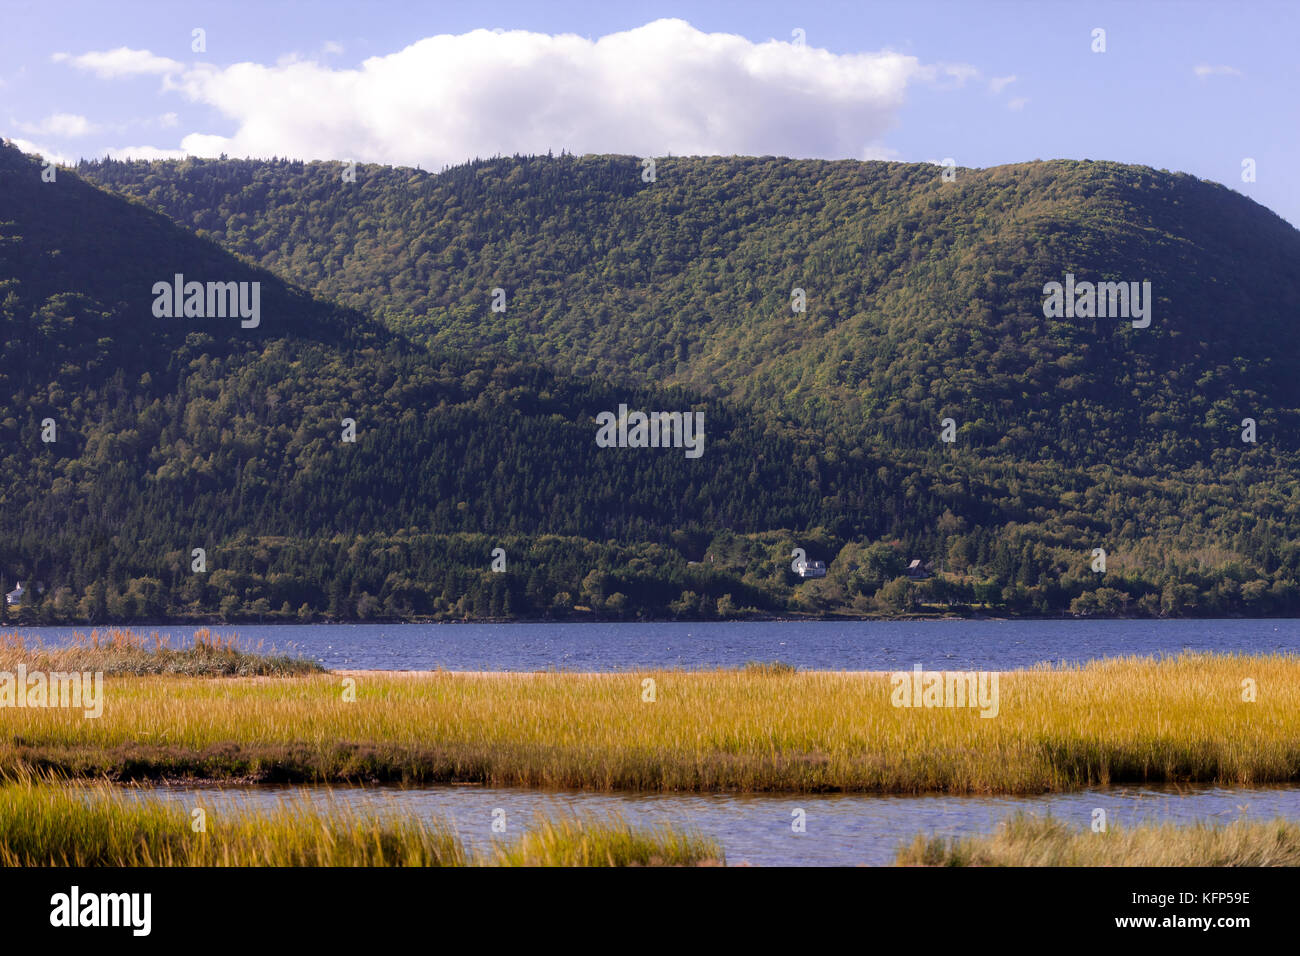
(839,829)
(829,645)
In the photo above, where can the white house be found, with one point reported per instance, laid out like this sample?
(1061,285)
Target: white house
(15,596)
(811,569)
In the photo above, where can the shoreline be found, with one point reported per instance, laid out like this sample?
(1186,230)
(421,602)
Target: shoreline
(584,620)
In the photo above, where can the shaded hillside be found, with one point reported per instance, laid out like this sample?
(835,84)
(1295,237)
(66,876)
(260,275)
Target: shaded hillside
(77,272)
(924,298)
(200,398)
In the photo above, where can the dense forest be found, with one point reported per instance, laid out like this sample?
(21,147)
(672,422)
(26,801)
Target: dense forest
(924,298)
(474,486)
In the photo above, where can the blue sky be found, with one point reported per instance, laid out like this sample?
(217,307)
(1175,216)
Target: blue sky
(1195,87)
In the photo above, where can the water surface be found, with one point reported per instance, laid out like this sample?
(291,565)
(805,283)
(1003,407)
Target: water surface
(841,829)
(828,645)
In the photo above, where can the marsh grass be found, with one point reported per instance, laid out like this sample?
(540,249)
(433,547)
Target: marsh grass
(1044,841)
(1132,720)
(774,668)
(118,651)
(572,841)
(46,823)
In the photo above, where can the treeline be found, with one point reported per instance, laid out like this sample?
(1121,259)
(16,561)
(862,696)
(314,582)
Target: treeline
(479,577)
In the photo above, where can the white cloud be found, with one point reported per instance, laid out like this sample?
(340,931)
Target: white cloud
(665,87)
(49,155)
(59,124)
(956,73)
(1203,70)
(122,61)
(144,152)
(1017,103)
(878,152)
(1000,83)
(332,47)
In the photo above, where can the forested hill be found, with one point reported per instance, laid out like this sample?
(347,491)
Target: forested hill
(924,298)
(128,439)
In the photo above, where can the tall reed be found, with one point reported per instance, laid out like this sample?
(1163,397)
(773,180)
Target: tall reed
(1043,841)
(45,823)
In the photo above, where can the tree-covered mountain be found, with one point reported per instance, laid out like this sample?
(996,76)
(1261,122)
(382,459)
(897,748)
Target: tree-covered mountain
(475,430)
(924,298)
(130,439)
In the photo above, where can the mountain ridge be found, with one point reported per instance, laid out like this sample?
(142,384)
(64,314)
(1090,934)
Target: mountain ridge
(231,438)
(912,284)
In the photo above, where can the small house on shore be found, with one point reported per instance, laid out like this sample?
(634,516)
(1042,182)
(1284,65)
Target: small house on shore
(15,597)
(811,569)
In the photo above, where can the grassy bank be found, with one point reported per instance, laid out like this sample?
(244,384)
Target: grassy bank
(1127,720)
(1043,841)
(120,652)
(44,824)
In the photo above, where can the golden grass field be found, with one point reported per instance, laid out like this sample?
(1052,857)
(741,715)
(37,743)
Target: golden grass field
(1040,841)
(43,823)
(1122,720)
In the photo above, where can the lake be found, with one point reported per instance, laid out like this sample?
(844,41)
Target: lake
(824,645)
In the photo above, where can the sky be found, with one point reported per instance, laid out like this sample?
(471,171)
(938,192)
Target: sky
(1209,89)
